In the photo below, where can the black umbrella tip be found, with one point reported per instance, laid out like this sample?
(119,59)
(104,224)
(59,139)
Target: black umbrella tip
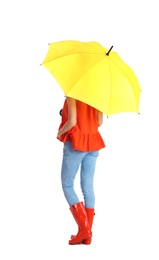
(109,50)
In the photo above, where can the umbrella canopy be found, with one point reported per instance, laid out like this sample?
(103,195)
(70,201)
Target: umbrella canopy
(91,73)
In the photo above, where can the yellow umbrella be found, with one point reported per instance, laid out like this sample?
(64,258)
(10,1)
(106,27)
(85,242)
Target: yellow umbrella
(91,73)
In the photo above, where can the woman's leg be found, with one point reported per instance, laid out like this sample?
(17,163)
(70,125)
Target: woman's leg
(70,165)
(87,177)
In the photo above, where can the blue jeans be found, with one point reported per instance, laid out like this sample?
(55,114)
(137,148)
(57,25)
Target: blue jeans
(72,160)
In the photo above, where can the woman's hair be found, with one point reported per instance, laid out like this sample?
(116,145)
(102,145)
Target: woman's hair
(60,112)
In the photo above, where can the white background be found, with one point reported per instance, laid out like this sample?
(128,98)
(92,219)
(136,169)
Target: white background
(35,221)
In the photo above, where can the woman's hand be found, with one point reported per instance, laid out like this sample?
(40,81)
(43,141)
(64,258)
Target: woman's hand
(58,134)
(71,102)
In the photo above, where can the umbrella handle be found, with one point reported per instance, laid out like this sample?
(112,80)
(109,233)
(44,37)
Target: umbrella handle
(109,51)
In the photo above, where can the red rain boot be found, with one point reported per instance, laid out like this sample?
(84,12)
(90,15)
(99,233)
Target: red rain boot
(79,213)
(90,215)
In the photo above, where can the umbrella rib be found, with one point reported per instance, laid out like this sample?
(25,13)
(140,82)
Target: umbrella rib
(71,54)
(110,89)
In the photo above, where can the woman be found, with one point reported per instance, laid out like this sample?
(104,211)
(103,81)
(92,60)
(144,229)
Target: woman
(82,141)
